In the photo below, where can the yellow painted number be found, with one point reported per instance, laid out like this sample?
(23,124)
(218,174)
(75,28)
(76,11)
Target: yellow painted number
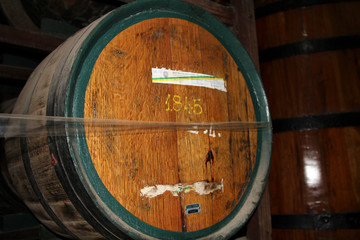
(197,107)
(176,103)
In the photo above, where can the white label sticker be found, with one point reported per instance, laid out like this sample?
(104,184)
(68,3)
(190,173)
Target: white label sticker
(167,76)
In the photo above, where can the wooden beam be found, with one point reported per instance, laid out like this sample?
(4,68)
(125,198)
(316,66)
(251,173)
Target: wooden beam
(22,234)
(31,40)
(14,73)
(244,27)
(259,226)
(17,16)
(126,1)
(224,13)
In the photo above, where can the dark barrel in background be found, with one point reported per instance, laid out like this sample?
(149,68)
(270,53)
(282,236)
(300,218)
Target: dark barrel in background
(310,66)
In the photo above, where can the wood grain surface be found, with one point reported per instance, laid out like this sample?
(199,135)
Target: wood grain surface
(313,171)
(121,87)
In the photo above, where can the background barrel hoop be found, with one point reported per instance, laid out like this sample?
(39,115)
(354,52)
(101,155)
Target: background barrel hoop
(311,122)
(285,5)
(310,46)
(321,221)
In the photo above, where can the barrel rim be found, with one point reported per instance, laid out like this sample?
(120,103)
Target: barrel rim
(113,24)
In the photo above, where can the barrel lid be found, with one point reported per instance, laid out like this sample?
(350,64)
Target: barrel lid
(98,39)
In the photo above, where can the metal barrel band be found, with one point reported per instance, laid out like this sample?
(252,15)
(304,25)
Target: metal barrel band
(321,221)
(311,122)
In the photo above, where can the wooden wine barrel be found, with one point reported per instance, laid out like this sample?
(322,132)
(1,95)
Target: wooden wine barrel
(161,61)
(309,56)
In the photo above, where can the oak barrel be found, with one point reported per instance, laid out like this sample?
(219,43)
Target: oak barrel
(150,61)
(309,56)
